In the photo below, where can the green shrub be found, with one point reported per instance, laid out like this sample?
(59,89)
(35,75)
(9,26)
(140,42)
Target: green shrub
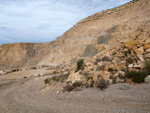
(136,76)
(47,80)
(25,77)
(110,69)
(80,63)
(127,52)
(129,60)
(147,66)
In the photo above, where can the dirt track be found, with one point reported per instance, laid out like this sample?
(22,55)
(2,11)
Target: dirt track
(29,96)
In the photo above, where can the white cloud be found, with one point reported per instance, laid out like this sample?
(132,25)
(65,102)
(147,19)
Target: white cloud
(44,20)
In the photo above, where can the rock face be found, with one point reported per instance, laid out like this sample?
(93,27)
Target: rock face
(121,25)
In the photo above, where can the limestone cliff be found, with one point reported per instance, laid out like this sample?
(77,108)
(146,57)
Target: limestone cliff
(85,39)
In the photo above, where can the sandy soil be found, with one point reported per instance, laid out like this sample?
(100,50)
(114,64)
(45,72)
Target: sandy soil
(30,96)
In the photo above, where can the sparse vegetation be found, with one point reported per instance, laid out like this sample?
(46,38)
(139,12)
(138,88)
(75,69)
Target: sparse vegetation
(80,63)
(102,84)
(127,52)
(136,76)
(129,60)
(47,81)
(110,69)
(25,77)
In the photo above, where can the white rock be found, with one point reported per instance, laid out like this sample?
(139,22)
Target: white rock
(130,65)
(1,72)
(147,79)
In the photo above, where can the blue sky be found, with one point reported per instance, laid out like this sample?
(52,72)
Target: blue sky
(45,20)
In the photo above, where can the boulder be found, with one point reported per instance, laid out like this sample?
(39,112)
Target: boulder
(139,51)
(147,79)
(121,73)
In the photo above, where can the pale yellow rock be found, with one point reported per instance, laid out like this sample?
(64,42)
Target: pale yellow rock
(139,51)
(147,46)
(130,44)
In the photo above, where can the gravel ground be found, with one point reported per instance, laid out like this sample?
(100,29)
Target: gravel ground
(30,96)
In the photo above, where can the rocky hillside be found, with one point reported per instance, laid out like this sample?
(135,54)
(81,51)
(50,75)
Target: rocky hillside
(92,35)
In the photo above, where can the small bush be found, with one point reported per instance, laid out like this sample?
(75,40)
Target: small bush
(47,80)
(127,52)
(110,69)
(77,84)
(136,77)
(80,64)
(102,84)
(129,60)
(147,66)
(89,77)
(68,88)
(25,77)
